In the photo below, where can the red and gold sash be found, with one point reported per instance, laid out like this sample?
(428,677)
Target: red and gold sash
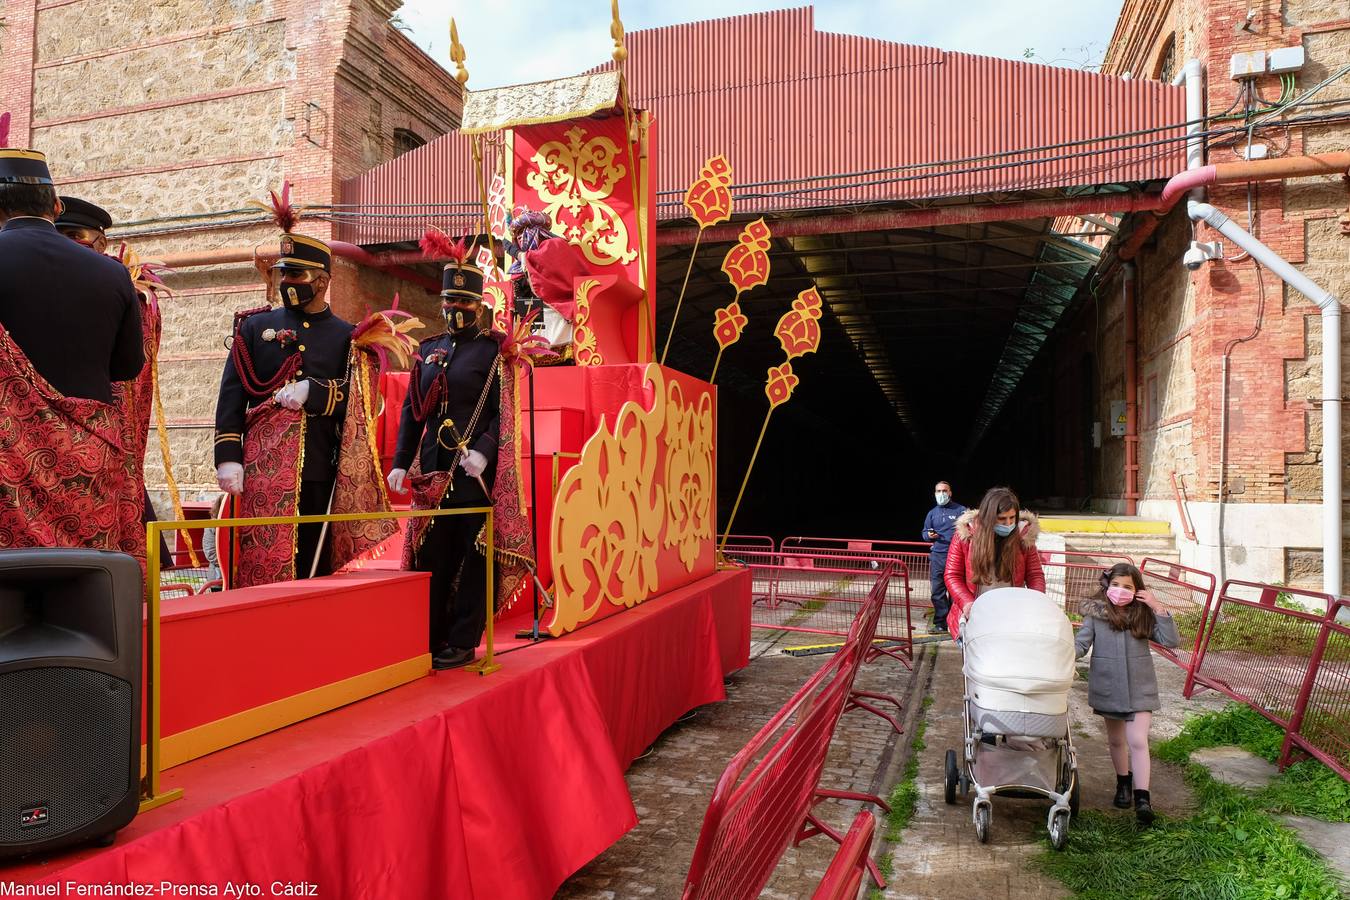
(274,451)
(63,466)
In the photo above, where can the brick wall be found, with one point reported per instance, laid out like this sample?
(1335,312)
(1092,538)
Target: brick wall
(195,107)
(1188,322)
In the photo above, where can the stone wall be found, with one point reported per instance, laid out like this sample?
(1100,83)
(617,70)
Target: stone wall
(175,114)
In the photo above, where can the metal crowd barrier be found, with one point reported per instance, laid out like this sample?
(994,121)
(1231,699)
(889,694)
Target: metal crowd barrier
(1256,652)
(848,868)
(914,554)
(151,795)
(821,593)
(766,797)
(1320,725)
(1188,595)
(1274,659)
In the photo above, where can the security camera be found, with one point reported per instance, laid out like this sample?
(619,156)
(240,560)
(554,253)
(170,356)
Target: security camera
(1200,253)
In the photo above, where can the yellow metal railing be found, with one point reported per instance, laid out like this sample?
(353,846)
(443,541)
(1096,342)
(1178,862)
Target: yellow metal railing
(151,794)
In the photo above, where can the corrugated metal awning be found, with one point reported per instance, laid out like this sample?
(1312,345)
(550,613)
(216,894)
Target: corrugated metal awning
(813,120)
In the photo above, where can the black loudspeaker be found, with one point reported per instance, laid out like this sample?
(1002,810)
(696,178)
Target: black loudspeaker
(70,697)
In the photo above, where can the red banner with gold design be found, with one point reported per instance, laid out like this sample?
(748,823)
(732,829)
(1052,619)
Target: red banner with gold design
(579,172)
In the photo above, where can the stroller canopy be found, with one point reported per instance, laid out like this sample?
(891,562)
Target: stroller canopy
(1019,651)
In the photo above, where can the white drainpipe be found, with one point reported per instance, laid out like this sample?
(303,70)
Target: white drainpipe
(1331,380)
(1193,76)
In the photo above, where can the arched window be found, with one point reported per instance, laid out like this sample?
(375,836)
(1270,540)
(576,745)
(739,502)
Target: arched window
(1167,61)
(405,140)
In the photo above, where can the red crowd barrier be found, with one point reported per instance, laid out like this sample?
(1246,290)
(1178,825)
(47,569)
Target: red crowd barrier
(766,797)
(1320,725)
(1291,665)
(821,593)
(757,541)
(844,876)
(1188,595)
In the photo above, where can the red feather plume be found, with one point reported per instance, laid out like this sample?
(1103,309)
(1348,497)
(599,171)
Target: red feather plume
(4,129)
(283,213)
(436,244)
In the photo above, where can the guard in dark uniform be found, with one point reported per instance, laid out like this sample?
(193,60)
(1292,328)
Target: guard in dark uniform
(296,353)
(450,422)
(72,312)
(71,327)
(84,223)
(87,224)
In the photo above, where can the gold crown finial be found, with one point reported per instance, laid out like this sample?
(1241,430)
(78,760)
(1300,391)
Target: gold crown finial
(616,32)
(457,55)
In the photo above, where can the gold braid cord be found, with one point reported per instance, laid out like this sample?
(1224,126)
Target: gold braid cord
(162,429)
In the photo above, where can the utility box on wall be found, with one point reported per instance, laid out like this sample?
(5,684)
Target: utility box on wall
(1117,418)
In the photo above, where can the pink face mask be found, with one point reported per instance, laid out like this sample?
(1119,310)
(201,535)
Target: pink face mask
(1120,596)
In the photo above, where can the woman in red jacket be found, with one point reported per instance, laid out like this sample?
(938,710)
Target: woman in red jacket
(1002,554)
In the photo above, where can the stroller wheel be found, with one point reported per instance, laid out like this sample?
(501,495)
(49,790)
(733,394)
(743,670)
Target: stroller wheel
(983,815)
(1074,796)
(1059,829)
(952,778)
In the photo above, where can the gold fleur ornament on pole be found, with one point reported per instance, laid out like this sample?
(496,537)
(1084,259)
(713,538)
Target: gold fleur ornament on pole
(709,202)
(616,32)
(457,55)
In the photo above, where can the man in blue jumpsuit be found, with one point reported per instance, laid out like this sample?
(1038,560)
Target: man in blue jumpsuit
(939,526)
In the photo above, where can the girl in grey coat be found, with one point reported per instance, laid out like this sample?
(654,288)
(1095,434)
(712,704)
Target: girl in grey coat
(1118,624)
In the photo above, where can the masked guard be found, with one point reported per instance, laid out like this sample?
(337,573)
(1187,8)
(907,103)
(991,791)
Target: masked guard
(447,438)
(283,397)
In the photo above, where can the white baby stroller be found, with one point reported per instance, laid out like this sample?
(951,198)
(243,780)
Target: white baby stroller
(1019,663)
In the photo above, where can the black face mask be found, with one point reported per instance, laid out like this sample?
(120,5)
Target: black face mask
(458,320)
(296,295)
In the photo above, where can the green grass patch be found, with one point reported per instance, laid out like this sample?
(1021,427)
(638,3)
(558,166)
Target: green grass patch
(1306,788)
(905,795)
(1230,849)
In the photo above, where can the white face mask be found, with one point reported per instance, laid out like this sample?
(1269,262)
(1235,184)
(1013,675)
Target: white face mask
(942,498)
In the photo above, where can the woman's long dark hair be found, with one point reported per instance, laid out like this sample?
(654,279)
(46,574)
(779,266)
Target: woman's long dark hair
(988,561)
(1136,616)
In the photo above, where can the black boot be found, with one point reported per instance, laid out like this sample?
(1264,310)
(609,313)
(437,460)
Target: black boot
(1123,785)
(1143,810)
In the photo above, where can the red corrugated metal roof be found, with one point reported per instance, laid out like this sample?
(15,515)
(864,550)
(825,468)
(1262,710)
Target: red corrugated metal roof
(810,119)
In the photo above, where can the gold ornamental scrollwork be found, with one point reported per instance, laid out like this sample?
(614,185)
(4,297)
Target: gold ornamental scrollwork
(583,334)
(579,176)
(608,516)
(689,473)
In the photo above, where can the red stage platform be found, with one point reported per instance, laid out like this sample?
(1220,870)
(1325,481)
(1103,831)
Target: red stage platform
(455,786)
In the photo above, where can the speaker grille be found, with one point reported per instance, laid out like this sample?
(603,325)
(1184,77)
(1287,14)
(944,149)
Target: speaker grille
(65,736)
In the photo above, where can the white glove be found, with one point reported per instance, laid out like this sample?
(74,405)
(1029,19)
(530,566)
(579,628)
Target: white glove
(398,480)
(230,477)
(293,395)
(474,463)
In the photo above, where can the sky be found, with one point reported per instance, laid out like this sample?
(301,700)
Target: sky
(516,41)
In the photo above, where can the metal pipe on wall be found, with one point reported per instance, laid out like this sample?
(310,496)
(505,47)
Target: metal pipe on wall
(341,249)
(1131,299)
(1332,526)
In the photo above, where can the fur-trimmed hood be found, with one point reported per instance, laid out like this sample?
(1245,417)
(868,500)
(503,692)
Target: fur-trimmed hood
(1030,526)
(1093,606)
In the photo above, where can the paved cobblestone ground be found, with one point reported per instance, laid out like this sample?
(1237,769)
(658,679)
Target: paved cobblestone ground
(671,785)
